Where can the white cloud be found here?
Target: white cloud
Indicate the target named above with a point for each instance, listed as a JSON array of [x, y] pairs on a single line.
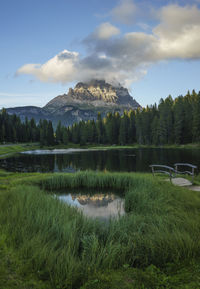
[[126, 57], [106, 30], [125, 12], [179, 32], [61, 68]]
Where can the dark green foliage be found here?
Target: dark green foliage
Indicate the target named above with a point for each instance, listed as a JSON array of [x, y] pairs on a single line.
[[59, 133], [12, 129], [50, 134], [62, 246], [165, 109], [173, 276], [13, 271], [173, 121], [179, 120], [46, 133], [196, 118]]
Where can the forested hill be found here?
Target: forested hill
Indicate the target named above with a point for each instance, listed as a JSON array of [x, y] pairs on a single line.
[[172, 121]]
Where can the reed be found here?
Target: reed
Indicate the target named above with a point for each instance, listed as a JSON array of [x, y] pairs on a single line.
[[162, 225], [89, 179]]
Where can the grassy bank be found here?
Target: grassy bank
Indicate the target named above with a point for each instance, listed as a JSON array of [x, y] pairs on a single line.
[[155, 245], [9, 149], [136, 146]]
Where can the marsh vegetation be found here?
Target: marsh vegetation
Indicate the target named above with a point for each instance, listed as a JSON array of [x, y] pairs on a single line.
[[62, 246]]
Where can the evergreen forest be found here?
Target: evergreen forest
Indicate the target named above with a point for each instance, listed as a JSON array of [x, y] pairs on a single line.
[[171, 122], [13, 130]]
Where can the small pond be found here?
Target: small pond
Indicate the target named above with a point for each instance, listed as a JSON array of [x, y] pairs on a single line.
[[99, 205], [121, 160]]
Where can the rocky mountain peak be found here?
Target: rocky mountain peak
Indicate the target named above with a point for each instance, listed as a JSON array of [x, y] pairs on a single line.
[[83, 102], [96, 93]]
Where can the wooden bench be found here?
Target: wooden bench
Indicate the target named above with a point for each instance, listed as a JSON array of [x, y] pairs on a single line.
[[172, 172]]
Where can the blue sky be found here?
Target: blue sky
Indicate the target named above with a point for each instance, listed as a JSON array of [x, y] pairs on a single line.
[[151, 47]]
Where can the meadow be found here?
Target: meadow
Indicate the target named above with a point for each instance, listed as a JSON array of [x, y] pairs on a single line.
[[49, 244]]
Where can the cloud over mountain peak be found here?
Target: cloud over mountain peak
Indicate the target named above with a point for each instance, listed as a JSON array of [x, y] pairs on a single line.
[[124, 58]]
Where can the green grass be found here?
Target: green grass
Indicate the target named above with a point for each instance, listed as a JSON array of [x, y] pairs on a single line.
[[174, 276], [57, 244], [13, 273], [7, 150], [136, 146]]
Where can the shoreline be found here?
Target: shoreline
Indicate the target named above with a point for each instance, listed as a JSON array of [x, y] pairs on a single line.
[[7, 150]]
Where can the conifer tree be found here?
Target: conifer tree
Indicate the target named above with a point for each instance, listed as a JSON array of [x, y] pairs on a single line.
[[196, 120], [59, 133], [50, 134]]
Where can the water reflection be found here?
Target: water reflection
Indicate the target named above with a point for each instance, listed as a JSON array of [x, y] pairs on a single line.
[[103, 206], [129, 160]]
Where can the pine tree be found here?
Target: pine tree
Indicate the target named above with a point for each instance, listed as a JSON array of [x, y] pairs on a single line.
[[50, 134], [65, 136], [188, 118], [123, 129], [132, 128], [100, 129], [166, 120], [155, 132], [178, 120], [59, 133], [196, 120]]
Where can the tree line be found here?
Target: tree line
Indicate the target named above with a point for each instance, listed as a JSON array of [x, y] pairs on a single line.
[[12, 129], [171, 122]]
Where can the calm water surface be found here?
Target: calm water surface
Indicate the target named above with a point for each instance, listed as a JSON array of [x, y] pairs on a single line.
[[121, 160], [95, 205]]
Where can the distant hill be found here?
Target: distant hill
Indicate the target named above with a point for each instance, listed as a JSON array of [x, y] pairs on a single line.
[[81, 103]]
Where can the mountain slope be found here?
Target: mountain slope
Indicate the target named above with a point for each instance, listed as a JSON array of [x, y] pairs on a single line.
[[81, 103], [95, 93]]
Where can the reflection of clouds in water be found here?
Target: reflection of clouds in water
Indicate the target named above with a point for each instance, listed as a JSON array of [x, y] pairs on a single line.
[[58, 151], [112, 209], [68, 199], [114, 206]]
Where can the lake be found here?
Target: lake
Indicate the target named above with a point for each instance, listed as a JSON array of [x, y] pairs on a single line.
[[118, 160]]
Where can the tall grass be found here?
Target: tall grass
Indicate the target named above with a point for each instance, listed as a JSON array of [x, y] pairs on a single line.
[[89, 179], [162, 225]]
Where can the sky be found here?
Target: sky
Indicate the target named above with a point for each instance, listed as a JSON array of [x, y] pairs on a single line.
[[47, 46]]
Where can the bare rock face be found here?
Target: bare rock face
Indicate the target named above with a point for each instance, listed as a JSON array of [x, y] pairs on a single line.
[[81, 103], [95, 93]]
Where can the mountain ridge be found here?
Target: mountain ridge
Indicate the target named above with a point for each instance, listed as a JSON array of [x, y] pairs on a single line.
[[81, 103]]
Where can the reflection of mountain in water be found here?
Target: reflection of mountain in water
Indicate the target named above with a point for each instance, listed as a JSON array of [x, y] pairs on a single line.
[[103, 206], [97, 200]]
